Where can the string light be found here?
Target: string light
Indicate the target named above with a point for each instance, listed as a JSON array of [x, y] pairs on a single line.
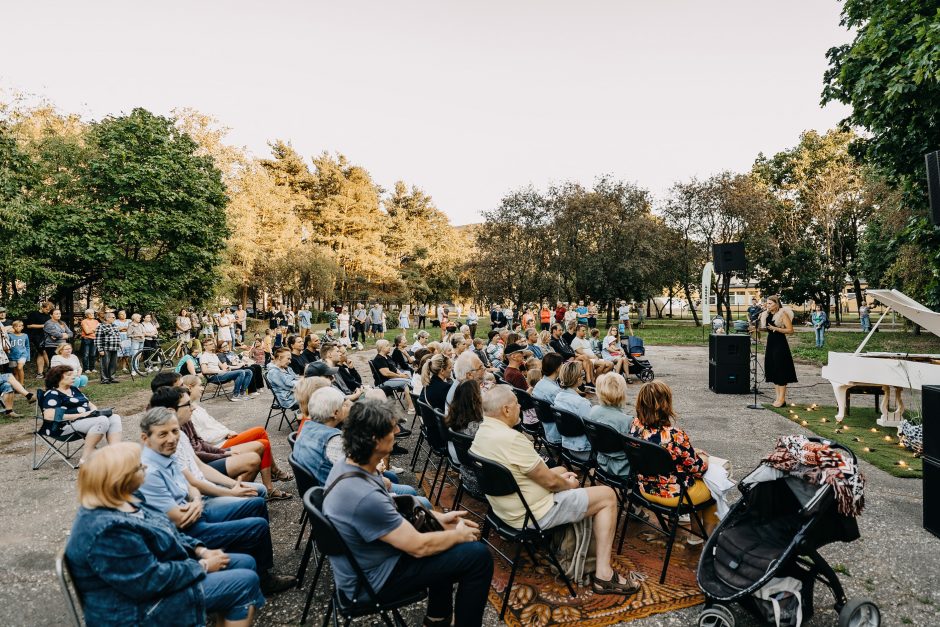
[[887, 438], [902, 463], [804, 423], [874, 430]]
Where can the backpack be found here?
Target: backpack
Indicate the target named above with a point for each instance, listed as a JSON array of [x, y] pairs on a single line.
[[575, 548], [780, 602]]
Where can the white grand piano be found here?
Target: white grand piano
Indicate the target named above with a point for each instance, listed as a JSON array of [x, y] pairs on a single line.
[[897, 371]]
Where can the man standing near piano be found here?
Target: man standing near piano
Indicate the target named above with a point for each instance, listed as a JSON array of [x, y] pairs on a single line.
[[778, 361]]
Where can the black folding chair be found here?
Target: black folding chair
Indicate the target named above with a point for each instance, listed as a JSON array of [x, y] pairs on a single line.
[[73, 600], [305, 482], [526, 402], [292, 440], [543, 410], [650, 459], [497, 480], [367, 603], [219, 388], [462, 443], [571, 426], [397, 393], [49, 434], [605, 440], [435, 433]]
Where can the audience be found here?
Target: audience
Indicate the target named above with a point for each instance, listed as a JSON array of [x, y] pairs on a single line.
[[70, 411], [547, 390], [612, 397], [553, 495], [514, 356], [282, 379], [218, 372], [302, 392], [464, 415], [298, 361], [389, 378], [435, 382], [570, 377], [64, 356], [467, 367]]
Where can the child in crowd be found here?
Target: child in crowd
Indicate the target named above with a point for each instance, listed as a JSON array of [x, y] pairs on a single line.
[[268, 344], [596, 342], [258, 352], [19, 350]]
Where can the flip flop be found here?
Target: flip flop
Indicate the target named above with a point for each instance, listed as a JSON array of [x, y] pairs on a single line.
[[283, 476]]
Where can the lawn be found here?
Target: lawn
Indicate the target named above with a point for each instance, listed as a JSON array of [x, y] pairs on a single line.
[[877, 445]]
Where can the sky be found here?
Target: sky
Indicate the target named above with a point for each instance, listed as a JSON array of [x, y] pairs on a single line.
[[468, 101]]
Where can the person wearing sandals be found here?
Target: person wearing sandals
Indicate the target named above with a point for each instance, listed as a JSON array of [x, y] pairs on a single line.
[[217, 434], [553, 494]]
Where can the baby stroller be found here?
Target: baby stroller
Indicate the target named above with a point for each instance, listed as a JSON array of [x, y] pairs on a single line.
[[775, 530], [640, 368]]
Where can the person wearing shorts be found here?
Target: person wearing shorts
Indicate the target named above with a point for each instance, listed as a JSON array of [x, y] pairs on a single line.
[[376, 318], [553, 495]]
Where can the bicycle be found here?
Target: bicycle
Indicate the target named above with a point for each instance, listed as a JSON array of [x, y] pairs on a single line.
[[148, 360]]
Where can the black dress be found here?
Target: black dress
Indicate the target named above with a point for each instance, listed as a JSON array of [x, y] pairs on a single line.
[[778, 361]]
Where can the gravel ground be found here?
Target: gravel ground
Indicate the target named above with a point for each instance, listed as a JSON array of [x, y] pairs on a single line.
[[895, 563]]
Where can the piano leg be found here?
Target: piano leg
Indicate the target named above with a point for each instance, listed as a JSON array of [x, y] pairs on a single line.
[[891, 418], [840, 391]]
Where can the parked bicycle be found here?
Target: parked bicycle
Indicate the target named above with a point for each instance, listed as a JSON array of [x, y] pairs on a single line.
[[148, 360]]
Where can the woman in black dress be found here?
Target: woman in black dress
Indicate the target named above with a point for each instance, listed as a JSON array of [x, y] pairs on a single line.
[[778, 362]]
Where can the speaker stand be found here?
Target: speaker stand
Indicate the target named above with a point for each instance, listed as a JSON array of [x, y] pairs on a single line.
[[755, 343]]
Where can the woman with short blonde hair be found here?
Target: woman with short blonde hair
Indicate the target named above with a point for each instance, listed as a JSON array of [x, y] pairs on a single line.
[[127, 562], [570, 375], [570, 378]]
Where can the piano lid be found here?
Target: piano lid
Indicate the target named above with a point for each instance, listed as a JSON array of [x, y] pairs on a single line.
[[909, 308]]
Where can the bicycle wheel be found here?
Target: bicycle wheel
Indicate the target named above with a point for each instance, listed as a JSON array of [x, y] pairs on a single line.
[[141, 362]]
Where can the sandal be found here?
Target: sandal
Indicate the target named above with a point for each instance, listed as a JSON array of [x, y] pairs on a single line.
[[614, 586], [282, 476], [279, 495]]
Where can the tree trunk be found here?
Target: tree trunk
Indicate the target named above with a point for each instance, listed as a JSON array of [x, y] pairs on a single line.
[[858, 292], [688, 297], [670, 301]]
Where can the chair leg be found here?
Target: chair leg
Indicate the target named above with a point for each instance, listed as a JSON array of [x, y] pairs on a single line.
[[303, 527], [414, 456], [512, 575], [270, 413], [302, 570], [440, 490], [387, 620], [424, 470], [457, 495], [437, 473], [329, 611], [554, 561], [674, 528]]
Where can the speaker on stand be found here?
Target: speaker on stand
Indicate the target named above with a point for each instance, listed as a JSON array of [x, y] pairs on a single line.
[[933, 185], [930, 415]]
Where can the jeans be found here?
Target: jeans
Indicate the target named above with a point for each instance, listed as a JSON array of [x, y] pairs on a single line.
[[136, 346], [469, 565], [241, 378], [88, 354], [108, 365], [866, 323], [820, 337], [399, 489], [236, 525], [233, 590]]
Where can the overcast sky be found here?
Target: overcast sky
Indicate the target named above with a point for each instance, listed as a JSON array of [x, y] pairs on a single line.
[[466, 100]]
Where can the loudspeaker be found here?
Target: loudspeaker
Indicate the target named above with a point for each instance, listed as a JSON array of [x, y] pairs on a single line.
[[729, 378], [726, 350], [930, 416], [933, 184], [931, 502], [729, 257]]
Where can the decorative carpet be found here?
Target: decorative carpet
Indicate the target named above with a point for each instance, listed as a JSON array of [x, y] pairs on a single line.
[[539, 597]]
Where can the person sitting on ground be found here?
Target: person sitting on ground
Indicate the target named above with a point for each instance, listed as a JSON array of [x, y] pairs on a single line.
[[421, 340], [282, 379], [127, 562], [65, 356], [217, 372], [217, 434], [570, 377], [9, 388], [396, 559], [389, 378], [553, 495], [70, 411], [653, 423], [612, 397], [514, 356], [435, 380], [236, 524]]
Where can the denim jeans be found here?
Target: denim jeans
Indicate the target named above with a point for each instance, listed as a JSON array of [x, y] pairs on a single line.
[[88, 354], [469, 565], [136, 346], [108, 365], [233, 590], [820, 337], [238, 525], [866, 323], [241, 378]]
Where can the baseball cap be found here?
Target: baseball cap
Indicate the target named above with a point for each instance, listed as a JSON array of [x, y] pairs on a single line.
[[319, 369]]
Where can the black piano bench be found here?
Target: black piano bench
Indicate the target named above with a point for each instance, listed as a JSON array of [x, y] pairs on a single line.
[[877, 390]]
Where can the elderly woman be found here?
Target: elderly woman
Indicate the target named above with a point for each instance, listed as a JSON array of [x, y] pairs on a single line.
[[302, 392], [65, 356], [122, 324], [218, 372], [218, 435], [570, 377], [55, 332], [135, 331], [612, 397], [66, 410], [132, 567], [320, 444]]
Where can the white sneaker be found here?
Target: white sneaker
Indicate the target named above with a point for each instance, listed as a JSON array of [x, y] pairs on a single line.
[[396, 469], [254, 394], [694, 541], [236, 399]]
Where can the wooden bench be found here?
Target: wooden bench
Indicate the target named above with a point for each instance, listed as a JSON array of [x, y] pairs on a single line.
[[876, 390]]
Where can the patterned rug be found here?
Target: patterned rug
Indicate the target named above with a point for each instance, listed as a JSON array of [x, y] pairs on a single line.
[[539, 598]]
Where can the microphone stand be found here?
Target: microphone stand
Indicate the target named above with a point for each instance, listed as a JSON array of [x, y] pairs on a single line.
[[756, 342]]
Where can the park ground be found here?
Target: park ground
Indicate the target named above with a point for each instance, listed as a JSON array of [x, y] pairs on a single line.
[[894, 563]]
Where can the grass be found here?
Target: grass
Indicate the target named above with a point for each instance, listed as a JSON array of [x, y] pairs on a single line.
[[127, 397], [877, 445]]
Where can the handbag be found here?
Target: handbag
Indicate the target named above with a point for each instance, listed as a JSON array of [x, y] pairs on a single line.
[[420, 517]]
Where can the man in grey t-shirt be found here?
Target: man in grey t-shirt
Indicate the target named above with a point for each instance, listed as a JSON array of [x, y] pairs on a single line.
[[376, 318]]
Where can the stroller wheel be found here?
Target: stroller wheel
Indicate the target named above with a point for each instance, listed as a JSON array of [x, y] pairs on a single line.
[[859, 613], [646, 375], [716, 616]]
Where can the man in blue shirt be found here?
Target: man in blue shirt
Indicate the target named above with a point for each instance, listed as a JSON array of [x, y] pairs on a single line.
[[547, 389], [582, 312], [237, 526]]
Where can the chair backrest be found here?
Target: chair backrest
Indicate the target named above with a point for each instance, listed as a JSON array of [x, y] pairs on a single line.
[[462, 443], [603, 438], [496, 480], [569, 425], [647, 458], [377, 378], [524, 398], [303, 477], [543, 410], [40, 393], [434, 421], [73, 599], [292, 439]]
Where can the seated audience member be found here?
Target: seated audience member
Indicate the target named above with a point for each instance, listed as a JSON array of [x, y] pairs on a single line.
[[421, 341], [532, 343], [189, 362], [389, 378], [514, 356], [592, 364], [235, 524], [553, 495], [65, 356], [70, 411], [282, 379], [653, 422], [9, 387], [494, 350], [217, 434], [559, 345], [532, 377], [464, 415], [351, 378], [417, 385], [544, 343], [398, 560], [400, 356], [570, 377], [466, 367], [435, 380], [320, 444], [327, 370], [298, 361], [479, 348], [217, 372], [227, 356], [302, 392], [568, 333], [612, 397], [311, 350], [595, 342], [547, 389], [127, 562], [612, 351]]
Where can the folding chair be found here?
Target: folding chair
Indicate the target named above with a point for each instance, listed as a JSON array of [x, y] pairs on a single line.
[[435, 433], [650, 459], [543, 410], [607, 440], [57, 444], [367, 603], [73, 600], [462, 443], [219, 388], [305, 482], [292, 439], [497, 480], [571, 426], [397, 393], [421, 434], [526, 403]]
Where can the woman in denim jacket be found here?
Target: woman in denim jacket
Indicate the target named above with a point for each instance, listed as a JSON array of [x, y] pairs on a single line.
[[132, 567]]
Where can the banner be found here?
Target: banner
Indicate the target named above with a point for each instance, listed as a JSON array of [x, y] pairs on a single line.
[[707, 293]]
